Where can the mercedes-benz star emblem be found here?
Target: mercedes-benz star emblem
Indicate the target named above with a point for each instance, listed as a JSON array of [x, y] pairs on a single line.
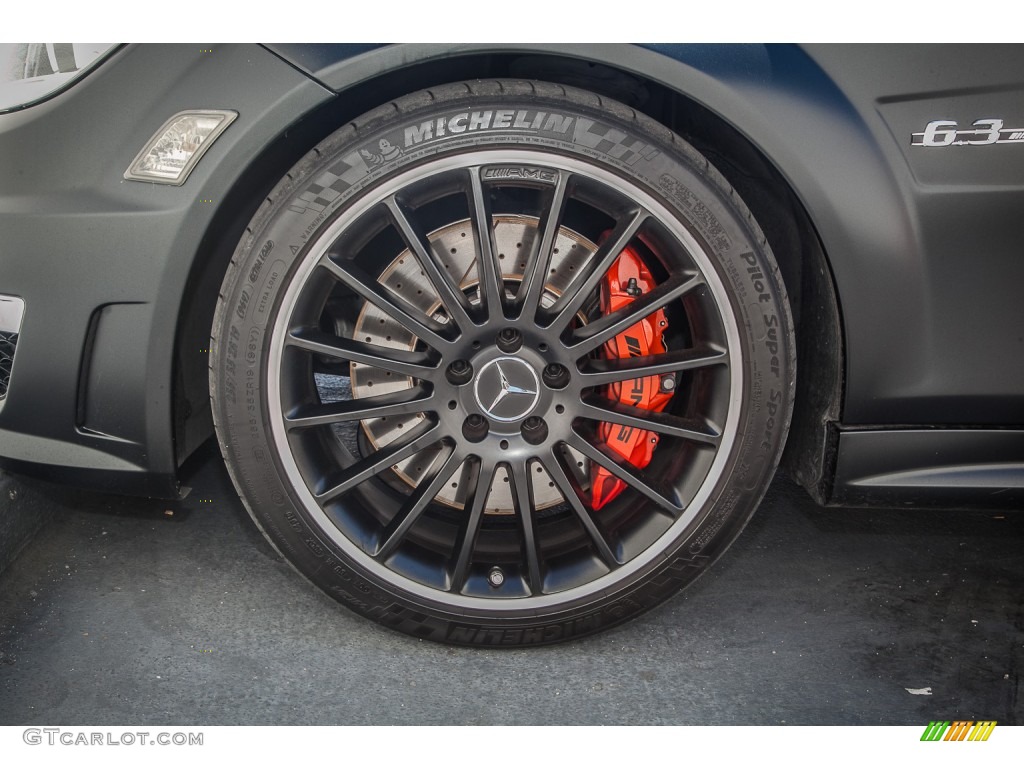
[[507, 389]]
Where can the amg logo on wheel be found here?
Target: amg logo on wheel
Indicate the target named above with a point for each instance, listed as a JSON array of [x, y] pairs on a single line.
[[960, 730], [521, 172]]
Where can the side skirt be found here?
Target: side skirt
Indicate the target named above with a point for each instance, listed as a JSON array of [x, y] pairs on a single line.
[[949, 468]]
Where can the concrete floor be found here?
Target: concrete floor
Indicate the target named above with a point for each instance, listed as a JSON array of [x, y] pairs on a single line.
[[119, 613]]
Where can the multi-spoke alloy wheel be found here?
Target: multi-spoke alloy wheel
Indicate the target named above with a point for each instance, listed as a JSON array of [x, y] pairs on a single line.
[[503, 366]]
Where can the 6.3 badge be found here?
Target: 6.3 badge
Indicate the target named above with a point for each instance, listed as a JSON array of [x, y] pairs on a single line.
[[946, 133]]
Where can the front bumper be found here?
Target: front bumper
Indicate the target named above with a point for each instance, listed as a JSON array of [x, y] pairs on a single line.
[[103, 264]]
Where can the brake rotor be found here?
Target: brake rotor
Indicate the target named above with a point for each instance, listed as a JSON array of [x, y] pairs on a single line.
[[514, 239]]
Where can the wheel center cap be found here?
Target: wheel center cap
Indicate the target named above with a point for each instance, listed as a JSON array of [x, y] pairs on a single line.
[[506, 389]]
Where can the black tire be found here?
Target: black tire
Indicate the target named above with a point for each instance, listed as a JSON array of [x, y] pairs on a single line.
[[392, 517]]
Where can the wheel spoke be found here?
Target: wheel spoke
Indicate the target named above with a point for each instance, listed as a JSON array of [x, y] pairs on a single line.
[[589, 337], [465, 543], [452, 297], [417, 501], [626, 472], [401, 361], [568, 304], [601, 372], [492, 284], [395, 307], [522, 501], [534, 277], [412, 442], [571, 491], [654, 421], [391, 404]]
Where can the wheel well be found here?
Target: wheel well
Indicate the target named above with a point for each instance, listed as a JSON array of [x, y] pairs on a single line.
[[790, 233]]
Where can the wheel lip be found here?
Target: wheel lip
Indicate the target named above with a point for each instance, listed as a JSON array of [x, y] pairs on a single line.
[[481, 157]]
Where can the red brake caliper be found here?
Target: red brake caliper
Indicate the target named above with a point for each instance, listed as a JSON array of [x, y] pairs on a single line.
[[627, 279]]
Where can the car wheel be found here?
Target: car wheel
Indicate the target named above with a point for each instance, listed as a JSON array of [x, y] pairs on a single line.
[[502, 363]]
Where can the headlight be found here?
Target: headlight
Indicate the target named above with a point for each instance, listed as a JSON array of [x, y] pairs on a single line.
[[31, 72]]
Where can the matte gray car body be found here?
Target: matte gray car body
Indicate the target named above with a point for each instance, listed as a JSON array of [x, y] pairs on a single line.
[[917, 269]]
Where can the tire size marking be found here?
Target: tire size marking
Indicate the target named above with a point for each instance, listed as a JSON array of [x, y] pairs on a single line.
[[252, 404]]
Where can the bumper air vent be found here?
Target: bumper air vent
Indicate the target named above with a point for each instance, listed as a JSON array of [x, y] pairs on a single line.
[[12, 309]]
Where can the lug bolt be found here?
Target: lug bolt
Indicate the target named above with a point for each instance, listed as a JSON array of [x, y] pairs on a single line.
[[509, 340], [496, 578], [474, 428], [668, 383], [459, 372], [534, 430], [556, 376]]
